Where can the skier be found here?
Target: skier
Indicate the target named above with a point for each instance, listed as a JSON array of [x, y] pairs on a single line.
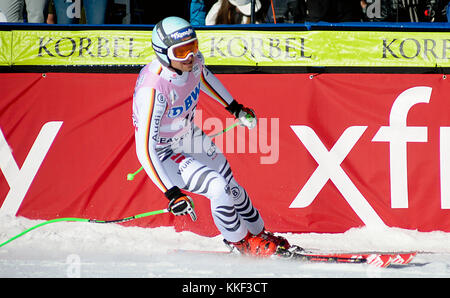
[[179, 156]]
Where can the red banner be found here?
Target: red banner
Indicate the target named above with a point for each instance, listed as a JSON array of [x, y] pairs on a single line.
[[330, 152]]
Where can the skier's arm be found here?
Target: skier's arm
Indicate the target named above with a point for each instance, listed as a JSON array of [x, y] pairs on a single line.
[[211, 85], [215, 89], [151, 111]]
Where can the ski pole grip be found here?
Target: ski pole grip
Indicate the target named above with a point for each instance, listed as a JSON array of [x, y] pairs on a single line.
[[192, 214]]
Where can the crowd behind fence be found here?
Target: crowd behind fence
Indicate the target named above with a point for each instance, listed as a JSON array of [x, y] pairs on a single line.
[[212, 12]]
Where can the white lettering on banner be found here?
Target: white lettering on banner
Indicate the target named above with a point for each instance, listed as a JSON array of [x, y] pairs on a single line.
[[444, 150], [20, 180], [398, 134], [329, 168]]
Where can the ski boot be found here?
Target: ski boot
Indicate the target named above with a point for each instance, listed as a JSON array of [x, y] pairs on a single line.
[[265, 244], [279, 241]]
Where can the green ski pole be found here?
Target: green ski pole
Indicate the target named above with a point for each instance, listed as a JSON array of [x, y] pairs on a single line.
[[71, 219]]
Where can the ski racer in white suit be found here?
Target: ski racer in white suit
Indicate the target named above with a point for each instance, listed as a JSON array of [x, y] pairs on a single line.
[[176, 154]]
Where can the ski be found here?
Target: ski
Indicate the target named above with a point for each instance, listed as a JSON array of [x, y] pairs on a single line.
[[399, 258], [403, 258], [297, 253], [377, 259]]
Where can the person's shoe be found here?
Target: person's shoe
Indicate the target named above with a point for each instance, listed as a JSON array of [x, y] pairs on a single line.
[[279, 241], [264, 244]]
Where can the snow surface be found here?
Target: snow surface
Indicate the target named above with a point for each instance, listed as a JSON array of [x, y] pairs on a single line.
[[78, 249]]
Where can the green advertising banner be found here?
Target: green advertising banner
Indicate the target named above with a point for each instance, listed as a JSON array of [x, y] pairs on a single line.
[[327, 48], [81, 47], [5, 48], [233, 47]]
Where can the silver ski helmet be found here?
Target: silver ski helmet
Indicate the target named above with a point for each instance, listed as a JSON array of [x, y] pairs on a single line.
[[174, 38]]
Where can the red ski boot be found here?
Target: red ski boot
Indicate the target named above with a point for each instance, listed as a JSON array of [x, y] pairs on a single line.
[[264, 244], [279, 241]]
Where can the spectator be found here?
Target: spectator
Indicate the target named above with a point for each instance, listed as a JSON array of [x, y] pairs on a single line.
[[286, 11], [69, 11], [51, 16], [2, 17], [198, 10], [403, 10], [13, 10], [233, 12], [397, 10], [447, 11], [334, 11], [436, 11]]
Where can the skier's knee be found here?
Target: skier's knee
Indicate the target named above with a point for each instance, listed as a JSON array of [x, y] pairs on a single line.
[[201, 179]]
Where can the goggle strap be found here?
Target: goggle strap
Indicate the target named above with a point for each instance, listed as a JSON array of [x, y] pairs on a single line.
[[163, 35], [159, 49]]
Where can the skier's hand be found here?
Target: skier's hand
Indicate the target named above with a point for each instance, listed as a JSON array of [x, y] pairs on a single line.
[[247, 117], [180, 206], [180, 203]]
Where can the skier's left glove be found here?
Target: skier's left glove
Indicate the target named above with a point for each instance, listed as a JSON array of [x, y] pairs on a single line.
[[245, 115], [180, 204]]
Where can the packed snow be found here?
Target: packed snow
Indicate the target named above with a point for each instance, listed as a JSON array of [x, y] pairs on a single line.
[[79, 249]]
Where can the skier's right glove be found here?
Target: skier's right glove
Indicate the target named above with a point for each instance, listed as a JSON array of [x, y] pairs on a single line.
[[180, 204]]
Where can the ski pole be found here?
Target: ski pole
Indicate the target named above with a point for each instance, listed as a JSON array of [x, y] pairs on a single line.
[[130, 176], [226, 129], [70, 219]]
